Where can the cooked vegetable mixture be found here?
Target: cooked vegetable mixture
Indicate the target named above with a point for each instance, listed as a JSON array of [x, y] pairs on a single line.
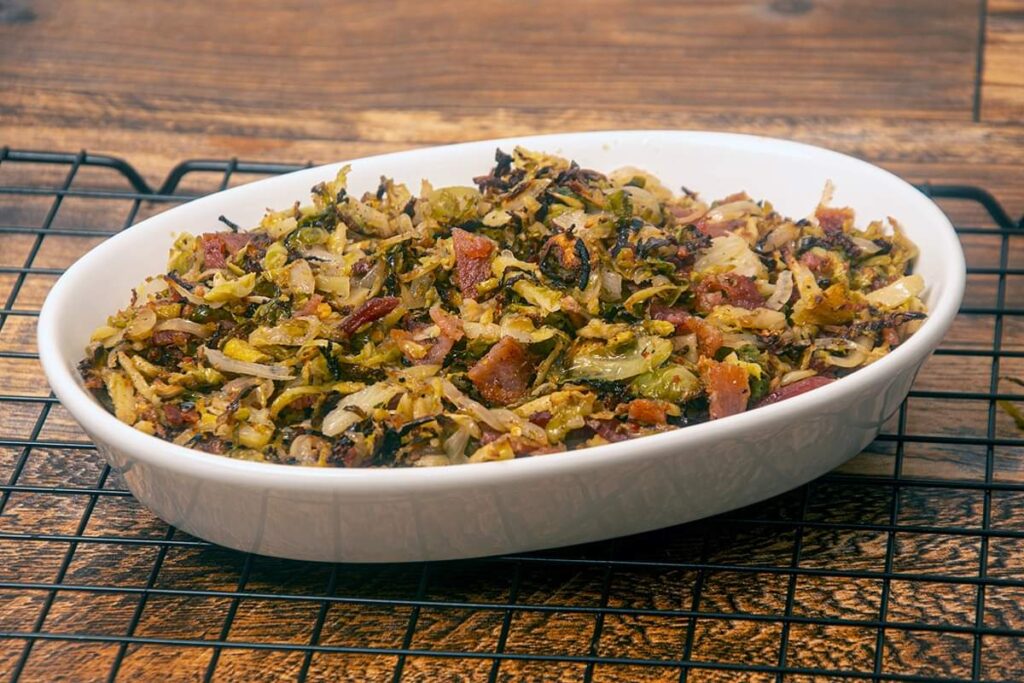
[[549, 307]]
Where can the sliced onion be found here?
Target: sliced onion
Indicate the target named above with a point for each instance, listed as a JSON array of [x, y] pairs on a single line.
[[475, 409], [779, 237], [236, 386], [856, 353], [318, 253], [300, 277], [689, 215], [182, 325], [498, 419], [309, 449], [141, 325], [796, 376], [512, 423], [225, 364], [897, 293], [433, 459], [190, 297], [783, 291], [455, 445], [137, 380], [281, 335], [866, 247], [369, 281], [737, 340], [732, 211], [363, 401], [611, 285]]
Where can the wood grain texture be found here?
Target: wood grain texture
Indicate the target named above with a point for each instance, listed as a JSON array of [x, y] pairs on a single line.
[[909, 58], [893, 83], [1002, 94]]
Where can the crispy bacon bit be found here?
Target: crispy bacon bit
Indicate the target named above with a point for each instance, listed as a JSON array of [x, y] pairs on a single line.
[[374, 309], [719, 228], [217, 245], [309, 308], [451, 333], [213, 251], [472, 260], [234, 241], [179, 418], [890, 337], [607, 430], [361, 267], [438, 351], [211, 444], [795, 389], [709, 337], [817, 263], [450, 325], [488, 435], [541, 418], [687, 215], [727, 288], [169, 338], [646, 411], [727, 385], [303, 402], [503, 375], [524, 447], [832, 220]]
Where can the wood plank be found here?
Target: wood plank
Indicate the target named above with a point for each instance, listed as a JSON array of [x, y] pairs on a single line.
[[939, 151], [912, 59], [1002, 95]]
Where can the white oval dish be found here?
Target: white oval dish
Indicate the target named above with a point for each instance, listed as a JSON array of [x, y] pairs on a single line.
[[378, 515]]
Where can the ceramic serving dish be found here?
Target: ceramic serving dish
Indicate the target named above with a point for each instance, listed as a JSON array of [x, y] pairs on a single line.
[[369, 515]]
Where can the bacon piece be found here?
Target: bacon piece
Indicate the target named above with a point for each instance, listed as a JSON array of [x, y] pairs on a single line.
[[472, 260], [541, 418], [832, 220], [169, 338], [438, 351], [217, 245], [890, 336], [817, 263], [709, 337], [525, 447], [374, 309], [727, 385], [451, 333], [309, 308], [717, 229], [503, 375], [177, 417], [795, 389], [646, 411], [234, 241], [687, 215], [607, 430], [727, 288], [450, 325], [213, 251]]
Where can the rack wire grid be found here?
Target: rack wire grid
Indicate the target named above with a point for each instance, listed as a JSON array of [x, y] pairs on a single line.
[[906, 565]]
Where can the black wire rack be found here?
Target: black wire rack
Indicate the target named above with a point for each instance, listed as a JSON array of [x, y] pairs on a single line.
[[905, 565]]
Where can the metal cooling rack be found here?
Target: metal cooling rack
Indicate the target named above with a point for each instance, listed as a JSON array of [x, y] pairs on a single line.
[[905, 565]]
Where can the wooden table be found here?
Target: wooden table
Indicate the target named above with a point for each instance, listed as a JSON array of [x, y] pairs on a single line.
[[802, 584]]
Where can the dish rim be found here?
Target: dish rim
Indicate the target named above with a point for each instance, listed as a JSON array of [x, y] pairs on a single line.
[[106, 429]]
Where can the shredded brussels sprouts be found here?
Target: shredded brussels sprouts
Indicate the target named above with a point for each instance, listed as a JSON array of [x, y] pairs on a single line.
[[549, 307]]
